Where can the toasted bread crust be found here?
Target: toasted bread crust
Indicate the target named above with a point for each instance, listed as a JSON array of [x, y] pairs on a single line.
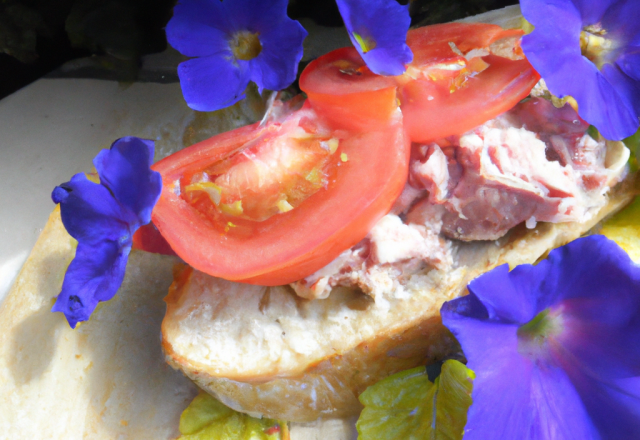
[[342, 359]]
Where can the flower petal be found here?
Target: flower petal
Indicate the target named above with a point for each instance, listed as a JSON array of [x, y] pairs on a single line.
[[199, 28], [503, 295], [626, 86], [591, 11], [628, 92], [588, 266], [554, 51], [599, 103], [513, 397], [257, 15], [388, 61], [90, 213], [600, 331], [381, 25], [613, 405], [544, 14], [518, 400], [599, 344], [582, 380], [621, 21], [103, 218], [213, 82], [629, 62], [125, 170], [277, 65], [94, 275]]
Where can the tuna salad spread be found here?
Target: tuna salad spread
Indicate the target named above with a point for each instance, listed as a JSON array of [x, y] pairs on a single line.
[[534, 163]]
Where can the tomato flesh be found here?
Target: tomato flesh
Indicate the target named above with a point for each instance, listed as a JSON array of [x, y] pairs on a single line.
[[442, 93], [460, 100], [432, 111], [343, 90], [272, 175], [430, 44], [364, 176]]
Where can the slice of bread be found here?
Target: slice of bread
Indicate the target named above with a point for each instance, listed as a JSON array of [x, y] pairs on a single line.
[[266, 351], [105, 380], [108, 378]]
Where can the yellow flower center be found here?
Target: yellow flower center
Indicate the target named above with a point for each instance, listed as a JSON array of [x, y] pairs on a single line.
[[535, 334], [595, 46], [365, 43], [245, 45]]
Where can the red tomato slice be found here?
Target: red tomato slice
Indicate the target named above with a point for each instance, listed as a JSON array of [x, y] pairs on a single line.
[[364, 176], [439, 108], [343, 90], [431, 43], [432, 111], [434, 105]]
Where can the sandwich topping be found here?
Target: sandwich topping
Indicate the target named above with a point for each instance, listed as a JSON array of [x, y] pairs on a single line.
[[533, 163], [275, 201]]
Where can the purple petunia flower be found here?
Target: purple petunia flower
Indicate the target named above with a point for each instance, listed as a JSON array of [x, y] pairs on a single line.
[[554, 346], [103, 218], [233, 42], [589, 50], [378, 30]]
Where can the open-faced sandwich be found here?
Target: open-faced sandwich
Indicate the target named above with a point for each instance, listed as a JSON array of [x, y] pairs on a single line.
[[319, 245]]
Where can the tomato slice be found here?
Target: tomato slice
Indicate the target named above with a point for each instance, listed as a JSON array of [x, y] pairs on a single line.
[[363, 175], [342, 89], [440, 102], [442, 93], [430, 44]]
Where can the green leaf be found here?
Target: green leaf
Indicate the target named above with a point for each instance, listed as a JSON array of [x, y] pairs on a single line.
[[207, 419], [452, 399], [407, 406], [633, 143], [624, 229]]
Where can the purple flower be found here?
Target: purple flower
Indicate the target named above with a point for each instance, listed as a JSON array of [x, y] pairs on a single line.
[[589, 50], [233, 42], [554, 346], [378, 30], [103, 218]]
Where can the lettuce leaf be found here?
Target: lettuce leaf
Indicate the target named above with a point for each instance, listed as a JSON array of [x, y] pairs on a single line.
[[407, 406], [633, 143], [207, 419], [624, 229]]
